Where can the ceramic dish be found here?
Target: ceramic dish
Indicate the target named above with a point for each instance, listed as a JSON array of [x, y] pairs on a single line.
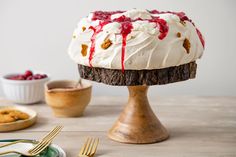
[[23, 91], [21, 124], [52, 151]]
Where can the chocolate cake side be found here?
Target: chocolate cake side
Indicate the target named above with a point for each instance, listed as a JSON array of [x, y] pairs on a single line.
[[139, 77]]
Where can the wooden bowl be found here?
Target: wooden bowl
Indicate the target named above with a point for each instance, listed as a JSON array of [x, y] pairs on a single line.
[[65, 99], [21, 124]]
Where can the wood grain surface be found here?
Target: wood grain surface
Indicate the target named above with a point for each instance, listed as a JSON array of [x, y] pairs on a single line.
[[198, 127]]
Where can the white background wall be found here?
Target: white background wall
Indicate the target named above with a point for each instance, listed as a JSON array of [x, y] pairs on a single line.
[[35, 34]]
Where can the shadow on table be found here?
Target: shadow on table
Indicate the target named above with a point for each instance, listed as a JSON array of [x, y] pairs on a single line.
[[41, 122], [97, 111], [102, 151], [99, 152], [185, 132]]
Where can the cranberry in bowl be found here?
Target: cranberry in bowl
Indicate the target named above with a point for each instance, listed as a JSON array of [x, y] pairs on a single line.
[[24, 88]]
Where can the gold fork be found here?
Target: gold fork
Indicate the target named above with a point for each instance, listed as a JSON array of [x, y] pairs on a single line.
[[45, 142], [38, 148], [89, 148]]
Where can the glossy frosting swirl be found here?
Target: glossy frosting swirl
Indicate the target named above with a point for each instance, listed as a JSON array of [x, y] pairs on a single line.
[[138, 39]]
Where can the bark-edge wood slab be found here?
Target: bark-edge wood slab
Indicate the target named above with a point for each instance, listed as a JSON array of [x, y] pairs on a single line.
[[139, 77]]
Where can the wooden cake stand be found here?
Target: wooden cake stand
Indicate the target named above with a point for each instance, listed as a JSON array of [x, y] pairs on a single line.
[[137, 123]]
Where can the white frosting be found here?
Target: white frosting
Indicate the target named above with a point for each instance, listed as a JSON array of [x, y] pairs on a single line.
[[144, 50]]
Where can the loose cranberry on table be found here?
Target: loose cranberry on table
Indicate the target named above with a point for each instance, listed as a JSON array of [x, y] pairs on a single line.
[[28, 75]]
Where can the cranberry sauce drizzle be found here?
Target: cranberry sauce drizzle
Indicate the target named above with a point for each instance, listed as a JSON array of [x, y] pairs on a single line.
[[96, 30], [182, 17], [126, 27], [162, 25], [104, 15], [201, 37]]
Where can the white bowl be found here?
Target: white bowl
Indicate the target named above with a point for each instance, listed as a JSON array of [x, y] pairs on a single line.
[[23, 91]]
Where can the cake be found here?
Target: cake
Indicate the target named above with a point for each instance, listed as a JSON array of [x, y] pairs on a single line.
[[136, 47]]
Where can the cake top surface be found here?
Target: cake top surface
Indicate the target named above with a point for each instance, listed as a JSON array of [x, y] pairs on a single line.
[[136, 40]]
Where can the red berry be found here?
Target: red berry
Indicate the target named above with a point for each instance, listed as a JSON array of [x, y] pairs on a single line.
[[37, 76], [12, 78], [30, 78], [28, 73], [20, 77], [44, 76]]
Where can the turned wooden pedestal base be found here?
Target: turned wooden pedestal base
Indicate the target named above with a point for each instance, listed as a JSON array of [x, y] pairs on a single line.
[[137, 123]]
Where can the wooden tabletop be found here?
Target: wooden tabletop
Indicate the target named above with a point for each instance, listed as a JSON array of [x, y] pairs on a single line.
[[198, 126]]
